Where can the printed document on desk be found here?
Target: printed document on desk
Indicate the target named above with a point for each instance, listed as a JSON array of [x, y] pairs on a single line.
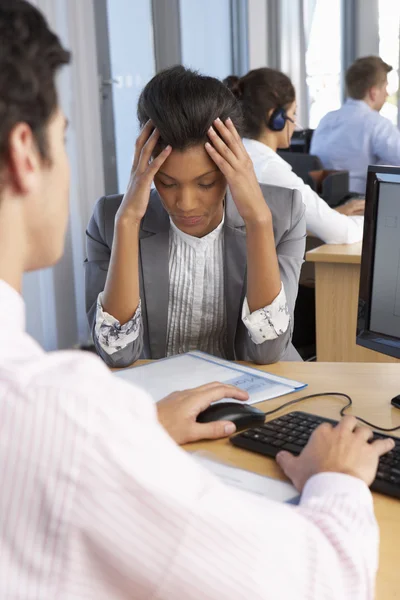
[[192, 369], [273, 489]]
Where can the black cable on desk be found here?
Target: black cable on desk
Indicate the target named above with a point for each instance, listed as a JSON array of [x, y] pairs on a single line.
[[342, 410]]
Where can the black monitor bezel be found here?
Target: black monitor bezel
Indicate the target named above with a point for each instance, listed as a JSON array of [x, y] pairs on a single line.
[[365, 337]]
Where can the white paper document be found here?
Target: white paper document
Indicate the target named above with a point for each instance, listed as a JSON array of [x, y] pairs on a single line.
[[273, 489], [190, 370]]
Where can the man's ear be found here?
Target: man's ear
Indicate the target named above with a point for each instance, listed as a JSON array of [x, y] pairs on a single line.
[[23, 160], [372, 92]]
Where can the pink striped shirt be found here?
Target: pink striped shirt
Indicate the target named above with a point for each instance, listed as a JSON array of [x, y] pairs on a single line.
[[97, 502]]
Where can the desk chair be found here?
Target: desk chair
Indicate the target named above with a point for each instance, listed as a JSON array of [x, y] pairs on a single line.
[[301, 141], [332, 186], [301, 164]]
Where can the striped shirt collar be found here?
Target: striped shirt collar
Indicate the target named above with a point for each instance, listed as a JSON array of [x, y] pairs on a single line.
[[12, 308]]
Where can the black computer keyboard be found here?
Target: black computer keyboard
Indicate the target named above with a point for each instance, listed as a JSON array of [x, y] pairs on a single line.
[[291, 432]]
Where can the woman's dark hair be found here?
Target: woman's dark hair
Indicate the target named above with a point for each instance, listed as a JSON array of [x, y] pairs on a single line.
[[30, 55], [259, 92], [182, 104]]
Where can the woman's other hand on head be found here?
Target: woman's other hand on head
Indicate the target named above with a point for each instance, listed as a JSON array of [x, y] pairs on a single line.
[[229, 154], [137, 195]]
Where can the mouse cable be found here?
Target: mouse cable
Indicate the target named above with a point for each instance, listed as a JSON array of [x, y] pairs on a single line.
[[342, 410]]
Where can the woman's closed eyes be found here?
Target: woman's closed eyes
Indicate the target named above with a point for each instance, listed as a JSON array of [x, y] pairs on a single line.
[[207, 186], [203, 186]]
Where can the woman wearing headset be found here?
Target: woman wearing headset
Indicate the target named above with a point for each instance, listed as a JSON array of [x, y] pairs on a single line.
[[268, 102], [207, 260]]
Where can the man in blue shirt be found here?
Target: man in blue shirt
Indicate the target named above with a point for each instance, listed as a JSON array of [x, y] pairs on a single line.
[[356, 135]]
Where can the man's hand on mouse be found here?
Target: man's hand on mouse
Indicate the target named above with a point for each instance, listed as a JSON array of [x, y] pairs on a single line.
[[178, 412], [341, 449]]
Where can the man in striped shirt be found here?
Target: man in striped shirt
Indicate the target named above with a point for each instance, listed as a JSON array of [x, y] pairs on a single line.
[[96, 498]]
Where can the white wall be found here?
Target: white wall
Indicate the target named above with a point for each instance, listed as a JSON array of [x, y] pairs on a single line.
[[367, 34], [258, 33], [206, 36], [132, 66], [55, 297]]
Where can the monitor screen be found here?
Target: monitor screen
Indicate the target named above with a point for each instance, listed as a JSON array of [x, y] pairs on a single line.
[[379, 300], [385, 297]]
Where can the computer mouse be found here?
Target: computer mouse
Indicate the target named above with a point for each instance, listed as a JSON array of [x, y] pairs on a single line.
[[243, 415]]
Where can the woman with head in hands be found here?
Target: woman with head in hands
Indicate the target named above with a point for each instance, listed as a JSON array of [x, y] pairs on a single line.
[[207, 260]]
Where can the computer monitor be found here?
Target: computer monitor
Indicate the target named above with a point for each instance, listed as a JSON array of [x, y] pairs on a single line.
[[378, 325]]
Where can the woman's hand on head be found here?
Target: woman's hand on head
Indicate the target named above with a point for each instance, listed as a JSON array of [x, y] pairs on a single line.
[[230, 156], [137, 195]]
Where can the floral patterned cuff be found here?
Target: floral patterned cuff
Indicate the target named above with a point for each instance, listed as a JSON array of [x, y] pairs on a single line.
[[267, 323], [111, 335]]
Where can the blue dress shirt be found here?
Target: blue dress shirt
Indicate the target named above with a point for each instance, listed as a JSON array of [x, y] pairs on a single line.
[[354, 137]]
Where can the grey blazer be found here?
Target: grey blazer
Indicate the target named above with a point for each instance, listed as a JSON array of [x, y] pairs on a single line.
[[290, 231]]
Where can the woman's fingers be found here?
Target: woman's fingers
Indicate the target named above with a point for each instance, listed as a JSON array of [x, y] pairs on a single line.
[[221, 147], [147, 151], [144, 148], [229, 124], [155, 164], [230, 136], [226, 148], [140, 142], [221, 163]]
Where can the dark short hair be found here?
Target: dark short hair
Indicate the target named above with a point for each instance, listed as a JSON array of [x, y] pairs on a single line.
[[30, 55], [364, 74], [182, 104], [259, 92]]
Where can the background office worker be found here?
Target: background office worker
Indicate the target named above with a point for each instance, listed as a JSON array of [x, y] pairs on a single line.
[[96, 499], [268, 102], [356, 135], [205, 261]]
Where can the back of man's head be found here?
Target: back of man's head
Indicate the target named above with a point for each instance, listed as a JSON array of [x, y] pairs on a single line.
[[34, 174], [364, 74], [30, 55]]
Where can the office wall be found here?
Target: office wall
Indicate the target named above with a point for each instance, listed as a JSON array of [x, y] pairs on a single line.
[[206, 42], [131, 43], [258, 34], [366, 26], [55, 297]]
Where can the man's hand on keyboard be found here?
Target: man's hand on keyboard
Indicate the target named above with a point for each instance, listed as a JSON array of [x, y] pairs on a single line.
[[340, 449], [178, 412]]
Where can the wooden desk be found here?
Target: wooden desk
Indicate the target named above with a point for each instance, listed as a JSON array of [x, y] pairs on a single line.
[[337, 277], [371, 387]]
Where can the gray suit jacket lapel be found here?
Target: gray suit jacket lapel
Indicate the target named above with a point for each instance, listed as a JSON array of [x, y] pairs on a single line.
[[235, 259], [154, 254]]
